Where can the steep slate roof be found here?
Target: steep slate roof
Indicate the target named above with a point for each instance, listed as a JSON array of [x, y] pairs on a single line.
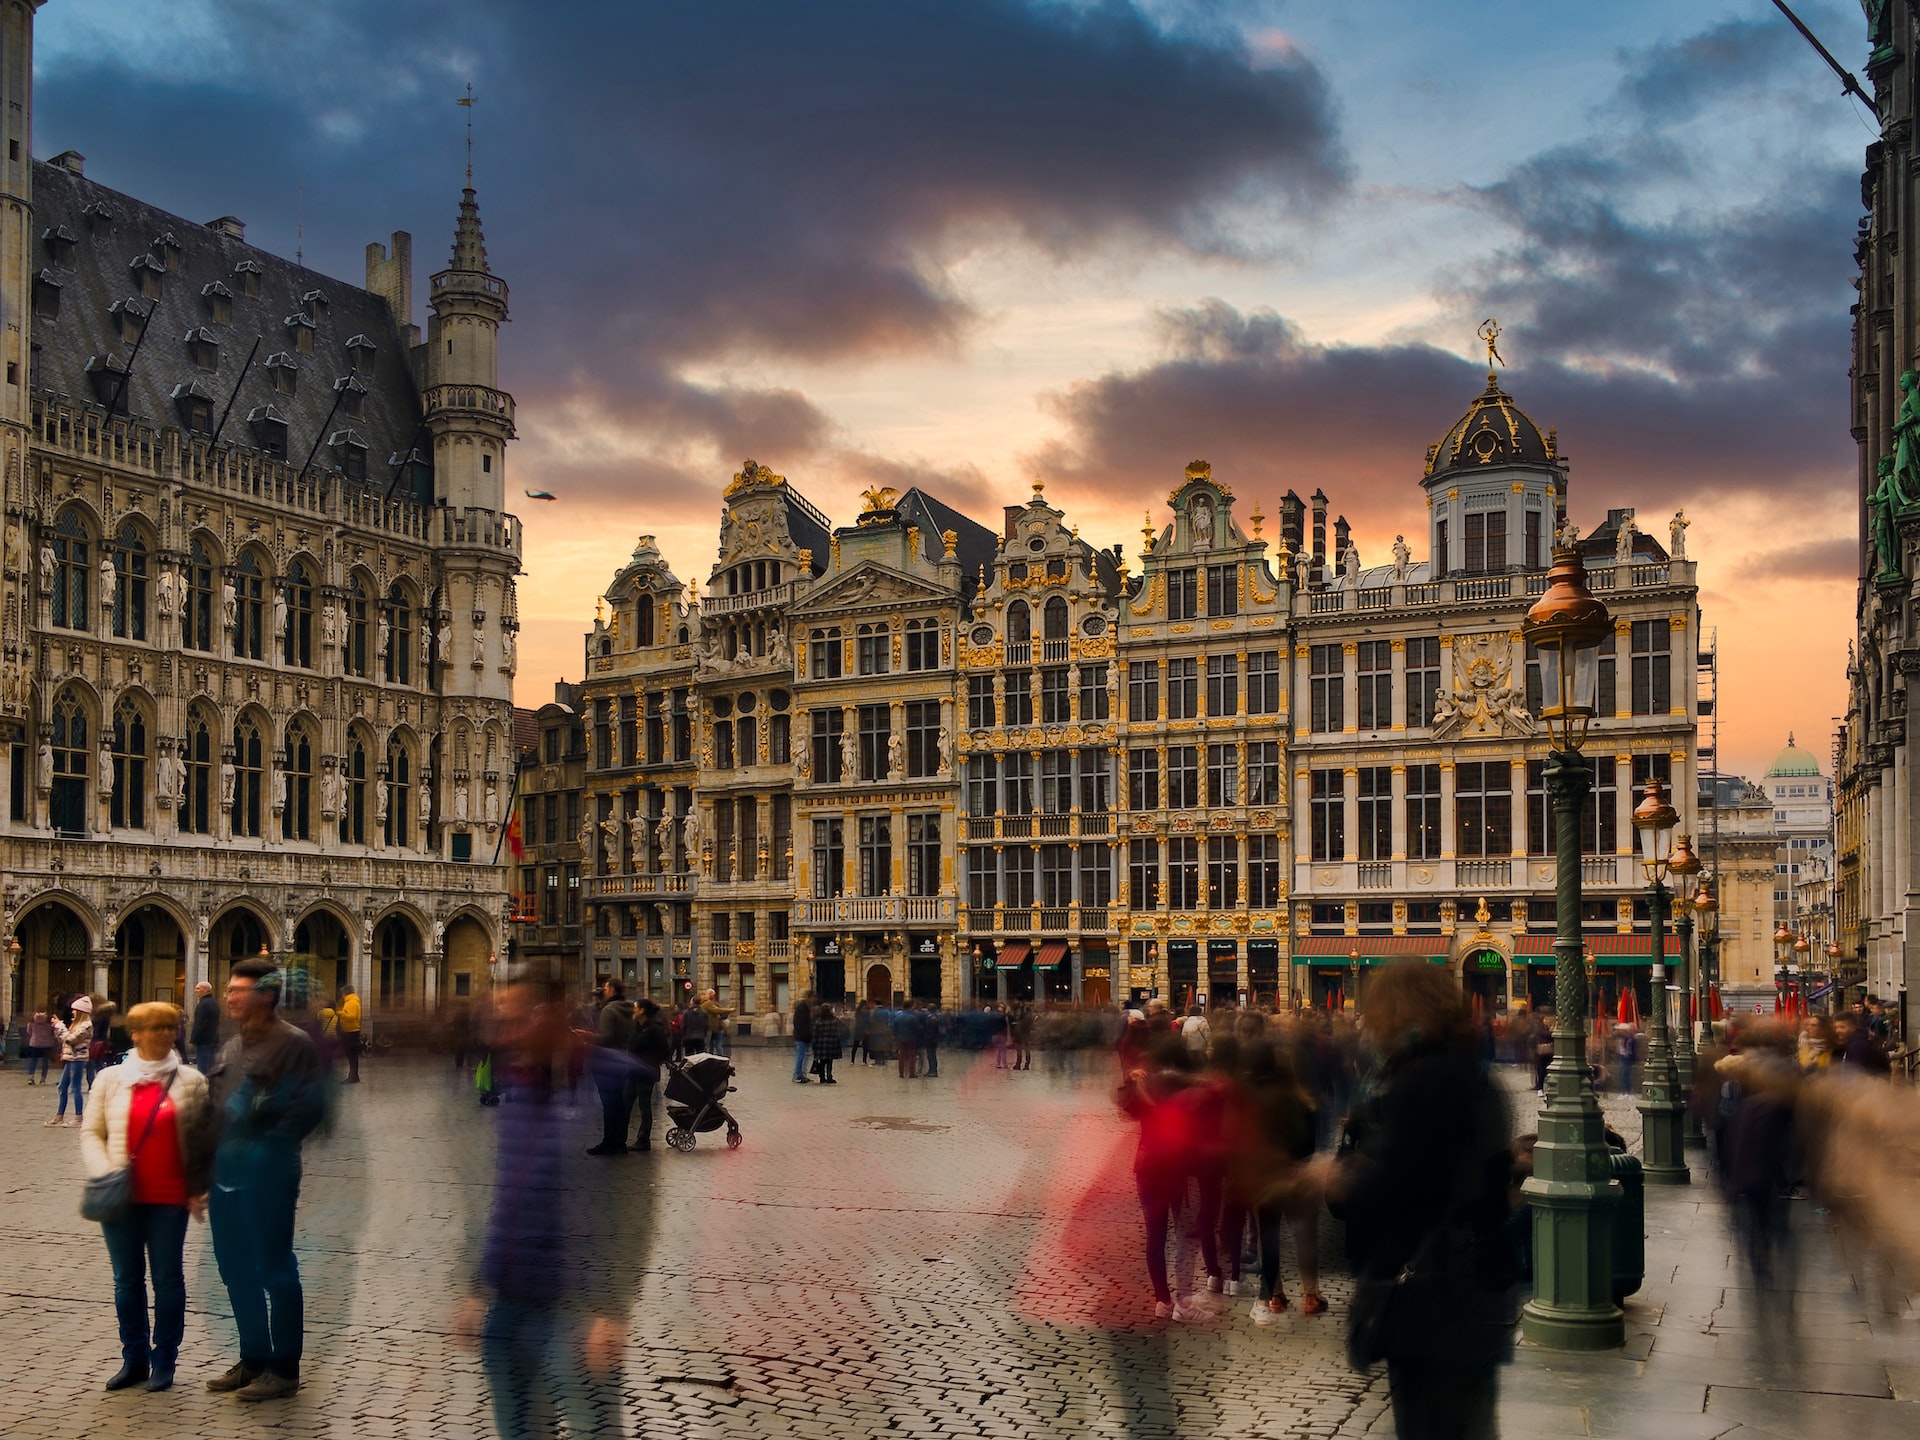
[[112, 232], [977, 543]]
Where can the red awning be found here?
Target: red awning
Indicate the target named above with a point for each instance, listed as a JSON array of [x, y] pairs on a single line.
[[1012, 955], [1053, 954]]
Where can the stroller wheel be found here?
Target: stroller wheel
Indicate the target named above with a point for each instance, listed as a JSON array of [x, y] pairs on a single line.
[[734, 1139], [681, 1140]]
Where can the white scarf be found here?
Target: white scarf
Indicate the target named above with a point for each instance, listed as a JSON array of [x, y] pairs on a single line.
[[139, 1071]]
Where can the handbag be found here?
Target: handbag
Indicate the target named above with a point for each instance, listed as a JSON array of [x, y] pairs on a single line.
[[107, 1197], [1388, 1310]]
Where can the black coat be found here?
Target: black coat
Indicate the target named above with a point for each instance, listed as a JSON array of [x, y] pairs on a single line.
[[826, 1035], [803, 1023], [206, 1022]]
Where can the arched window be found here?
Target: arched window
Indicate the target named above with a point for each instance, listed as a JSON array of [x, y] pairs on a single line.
[[354, 659], [296, 766], [68, 541], [723, 744], [747, 734], [1053, 619], [297, 594], [245, 940], [398, 633], [353, 806], [196, 628], [196, 802], [129, 600], [392, 942], [1019, 623], [127, 810], [399, 793], [249, 766], [249, 609], [67, 802]]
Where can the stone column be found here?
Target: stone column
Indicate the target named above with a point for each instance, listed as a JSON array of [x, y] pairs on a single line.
[[1448, 833], [1522, 809], [1399, 785]]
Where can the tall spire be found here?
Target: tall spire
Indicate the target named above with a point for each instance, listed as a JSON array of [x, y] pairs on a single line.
[[469, 245]]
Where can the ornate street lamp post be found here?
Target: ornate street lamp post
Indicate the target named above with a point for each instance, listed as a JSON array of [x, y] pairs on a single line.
[[1572, 1191], [1663, 1152], [1782, 940], [1353, 966], [1684, 865]]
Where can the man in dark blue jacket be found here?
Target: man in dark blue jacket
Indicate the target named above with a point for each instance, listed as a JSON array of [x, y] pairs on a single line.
[[268, 1094]]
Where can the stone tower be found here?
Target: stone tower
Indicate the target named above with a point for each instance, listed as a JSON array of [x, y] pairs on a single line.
[[470, 421], [16, 293]]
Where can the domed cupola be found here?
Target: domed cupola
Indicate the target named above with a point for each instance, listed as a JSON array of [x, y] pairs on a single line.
[[1494, 431]]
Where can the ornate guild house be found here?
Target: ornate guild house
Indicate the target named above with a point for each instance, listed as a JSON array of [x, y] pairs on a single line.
[[258, 611]]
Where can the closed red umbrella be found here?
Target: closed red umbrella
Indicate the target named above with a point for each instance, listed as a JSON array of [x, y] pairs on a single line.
[[1628, 1013]]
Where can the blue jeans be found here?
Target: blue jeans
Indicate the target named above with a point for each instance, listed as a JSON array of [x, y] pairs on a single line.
[[802, 1056], [149, 1237], [73, 1077], [536, 1378], [253, 1246], [37, 1064], [204, 1056]]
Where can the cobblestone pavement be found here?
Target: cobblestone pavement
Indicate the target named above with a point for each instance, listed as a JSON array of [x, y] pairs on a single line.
[[958, 1256]]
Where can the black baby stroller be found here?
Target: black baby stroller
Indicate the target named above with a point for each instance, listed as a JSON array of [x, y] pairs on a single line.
[[697, 1088]]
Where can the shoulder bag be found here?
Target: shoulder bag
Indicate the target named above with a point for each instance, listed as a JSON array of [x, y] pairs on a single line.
[[107, 1197]]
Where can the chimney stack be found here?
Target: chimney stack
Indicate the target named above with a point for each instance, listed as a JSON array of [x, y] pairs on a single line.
[[1319, 529], [391, 278]]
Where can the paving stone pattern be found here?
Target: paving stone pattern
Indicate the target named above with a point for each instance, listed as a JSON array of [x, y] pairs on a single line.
[[951, 1257]]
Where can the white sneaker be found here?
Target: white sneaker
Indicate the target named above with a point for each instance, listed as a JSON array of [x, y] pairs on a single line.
[[1263, 1314], [1184, 1314], [1213, 1284], [1162, 1310]]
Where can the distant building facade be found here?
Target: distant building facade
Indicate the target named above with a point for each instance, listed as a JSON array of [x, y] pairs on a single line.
[[548, 908]]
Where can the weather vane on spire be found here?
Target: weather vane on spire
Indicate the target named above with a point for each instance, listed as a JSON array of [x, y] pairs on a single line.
[[1490, 332], [467, 102]]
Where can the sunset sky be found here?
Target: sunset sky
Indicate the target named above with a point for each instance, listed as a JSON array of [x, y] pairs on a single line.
[[971, 244]]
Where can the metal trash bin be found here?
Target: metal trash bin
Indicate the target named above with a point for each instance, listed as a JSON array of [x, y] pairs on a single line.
[[1629, 1225]]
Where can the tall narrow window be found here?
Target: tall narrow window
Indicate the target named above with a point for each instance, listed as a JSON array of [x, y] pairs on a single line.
[[1423, 679], [829, 732], [1265, 774], [1094, 704], [1056, 782], [1374, 659], [67, 801], [1183, 872], [1019, 633], [353, 801], [1486, 541], [1652, 667], [1223, 686], [876, 728], [71, 552], [1328, 804], [825, 655], [1143, 779], [1423, 812], [873, 649], [196, 788], [1223, 590], [1143, 690], [829, 859], [923, 853], [1483, 809], [296, 766], [1143, 874], [1054, 702], [196, 629], [249, 609], [400, 800], [1263, 683], [876, 854], [1183, 777], [1327, 692], [980, 706], [1223, 775], [1534, 557], [129, 600], [983, 786], [1442, 556], [128, 807], [1017, 783], [1223, 872], [1376, 813], [396, 634], [249, 765], [1018, 693], [354, 653], [923, 644], [1263, 871], [923, 738], [297, 595], [1183, 594], [1183, 688]]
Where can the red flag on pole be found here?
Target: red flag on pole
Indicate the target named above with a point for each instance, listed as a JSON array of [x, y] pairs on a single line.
[[514, 843]]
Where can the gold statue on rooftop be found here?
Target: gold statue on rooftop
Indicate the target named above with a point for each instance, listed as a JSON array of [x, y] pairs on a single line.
[[1490, 332]]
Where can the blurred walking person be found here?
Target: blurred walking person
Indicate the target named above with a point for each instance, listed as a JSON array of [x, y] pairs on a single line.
[[613, 1068], [802, 1038], [269, 1093], [40, 1045], [1424, 1192], [1163, 1163], [826, 1041], [1760, 1160], [149, 1115], [348, 1015], [651, 1047], [1270, 1137], [204, 1035]]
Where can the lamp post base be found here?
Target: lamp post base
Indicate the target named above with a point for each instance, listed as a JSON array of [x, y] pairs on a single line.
[[1572, 1233], [1663, 1147]]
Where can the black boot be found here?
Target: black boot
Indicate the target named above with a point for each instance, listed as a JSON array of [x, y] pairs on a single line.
[[129, 1375]]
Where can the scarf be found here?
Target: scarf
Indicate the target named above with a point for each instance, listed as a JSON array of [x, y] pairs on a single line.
[[139, 1072]]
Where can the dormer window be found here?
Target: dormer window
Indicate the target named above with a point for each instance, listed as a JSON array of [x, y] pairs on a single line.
[[166, 250], [353, 396], [284, 371], [59, 243], [46, 296], [129, 319], [351, 452], [107, 374], [301, 329], [147, 273], [247, 276], [219, 301], [315, 304], [360, 353], [203, 349], [97, 216], [269, 431], [194, 401]]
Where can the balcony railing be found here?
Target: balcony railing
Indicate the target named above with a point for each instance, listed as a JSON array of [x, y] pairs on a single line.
[[1485, 587], [1019, 652], [1376, 875], [775, 595], [1599, 870], [1055, 652], [1468, 873], [1055, 826], [880, 910], [1027, 827]]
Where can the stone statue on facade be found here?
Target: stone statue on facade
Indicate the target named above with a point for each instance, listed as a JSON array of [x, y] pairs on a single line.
[[444, 652], [382, 634], [169, 591], [1350, 567], [1677, 533], [47, 564], [946, 748], [850, 755], [425, 807], [460, 800], [493, 804], [109, 582], [1443, 708], [166, 778], [227, 775], [637, 836], [1302, 570], [1906, 443], [896, 755], [663, 837], [1402, 559], [690, 833], [1880, 510], [1623, 542], [106, 770], [330, 625], [803, 759], [46, 764], [380, 802], [1200, 516], [509, 649], [279, 614], [229, 604], [778, 651], [480, 644], [331, 785], [585, 839]]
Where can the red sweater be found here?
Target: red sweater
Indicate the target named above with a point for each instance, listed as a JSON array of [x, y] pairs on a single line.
[[159, 1177]]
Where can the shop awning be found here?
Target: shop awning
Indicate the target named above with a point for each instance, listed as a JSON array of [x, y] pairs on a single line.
[[1012, 955], [1608, 948], [1053, 954], [1332, 950]]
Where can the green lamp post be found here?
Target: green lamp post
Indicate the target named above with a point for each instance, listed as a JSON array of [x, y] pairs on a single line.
[[1663, 1152], [1572, 1191]]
